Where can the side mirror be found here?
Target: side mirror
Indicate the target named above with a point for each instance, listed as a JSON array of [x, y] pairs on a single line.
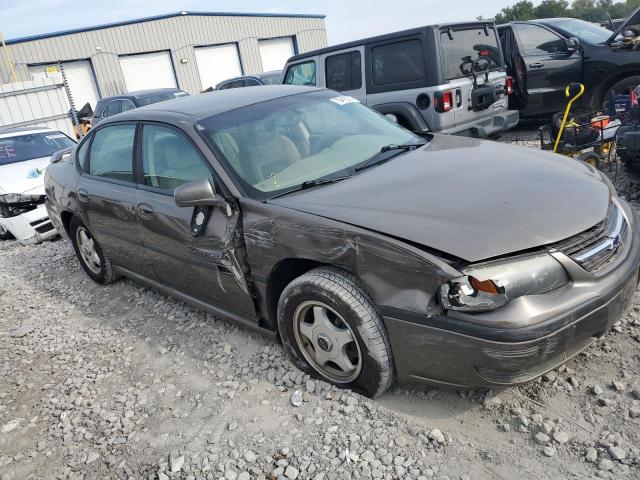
[[573, 44], [199, 193]]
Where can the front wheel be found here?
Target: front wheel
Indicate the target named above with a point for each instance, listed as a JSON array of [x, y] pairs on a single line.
[[91, 256], [332, 331], [621, 87]]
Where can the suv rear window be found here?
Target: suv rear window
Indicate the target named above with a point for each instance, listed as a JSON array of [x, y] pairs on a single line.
[[344, 71], [461, 47], [398, 62]]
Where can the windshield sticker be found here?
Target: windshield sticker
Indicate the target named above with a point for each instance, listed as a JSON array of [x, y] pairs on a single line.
[[344, 99], [7, 151]]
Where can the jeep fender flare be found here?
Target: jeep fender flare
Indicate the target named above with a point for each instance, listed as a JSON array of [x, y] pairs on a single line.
[[409, 112]]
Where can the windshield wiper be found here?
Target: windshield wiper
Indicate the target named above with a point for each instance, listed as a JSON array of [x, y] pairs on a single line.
[[371, 161], [309, 184]]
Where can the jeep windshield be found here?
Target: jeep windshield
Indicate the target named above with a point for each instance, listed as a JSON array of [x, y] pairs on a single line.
[[461, 47], [20, 148], [278, 145]]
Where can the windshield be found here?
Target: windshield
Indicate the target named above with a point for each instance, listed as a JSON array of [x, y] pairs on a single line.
[[32, 145], [277, 145], [585, 31], [460, 48]]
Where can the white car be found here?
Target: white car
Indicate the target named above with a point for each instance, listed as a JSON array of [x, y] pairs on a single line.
[[24, 156]]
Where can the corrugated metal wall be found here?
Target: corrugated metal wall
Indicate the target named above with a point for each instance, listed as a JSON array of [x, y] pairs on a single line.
[[40, 102], [179, 35]]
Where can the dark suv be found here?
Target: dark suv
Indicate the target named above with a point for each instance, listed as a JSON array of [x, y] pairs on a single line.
[[447, 78], [544, 56], [109, 106]]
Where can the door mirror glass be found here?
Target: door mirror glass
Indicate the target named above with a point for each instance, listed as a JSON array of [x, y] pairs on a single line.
[[197, 193], [573, 44]]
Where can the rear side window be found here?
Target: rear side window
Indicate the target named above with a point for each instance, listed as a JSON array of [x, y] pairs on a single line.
[[301, 74], [169, 159], [536, 40], [344, 71], [398, 62], [113, 108], [112, 152], [460, 48]]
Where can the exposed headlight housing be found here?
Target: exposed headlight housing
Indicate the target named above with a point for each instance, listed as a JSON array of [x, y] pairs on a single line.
[[19, 198], [488, 286]]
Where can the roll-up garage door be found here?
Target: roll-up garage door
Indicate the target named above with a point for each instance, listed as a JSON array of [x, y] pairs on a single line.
[[82, 82], [217, 63], [148, 70], [275, 52]]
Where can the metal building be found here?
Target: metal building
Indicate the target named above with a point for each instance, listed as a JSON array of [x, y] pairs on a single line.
[[188, 50]]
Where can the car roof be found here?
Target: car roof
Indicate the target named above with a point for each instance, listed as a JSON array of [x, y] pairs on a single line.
[[7, 131], [387, 36], [212, 103], [141, 93]]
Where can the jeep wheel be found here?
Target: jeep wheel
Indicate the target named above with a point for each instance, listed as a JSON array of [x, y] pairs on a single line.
[[332, 331], [93, 260]]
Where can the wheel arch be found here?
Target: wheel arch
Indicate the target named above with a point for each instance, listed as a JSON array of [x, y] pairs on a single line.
[[413, 120], [610, 81]]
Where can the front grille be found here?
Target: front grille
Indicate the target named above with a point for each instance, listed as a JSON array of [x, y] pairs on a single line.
[[598, 246]]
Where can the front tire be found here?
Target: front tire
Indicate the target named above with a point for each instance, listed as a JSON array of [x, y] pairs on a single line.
[[332, 331], [94, 261], [621, 87]]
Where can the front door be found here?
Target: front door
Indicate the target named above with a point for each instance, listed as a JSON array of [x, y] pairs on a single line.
[[106, 192], [550, 67], [205, 266]]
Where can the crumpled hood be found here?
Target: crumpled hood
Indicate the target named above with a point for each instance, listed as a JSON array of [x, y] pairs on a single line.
[[469, 198], [24, 177]]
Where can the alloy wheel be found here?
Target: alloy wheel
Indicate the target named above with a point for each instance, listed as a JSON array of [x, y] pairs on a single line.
[[87, 249], [327, 342]]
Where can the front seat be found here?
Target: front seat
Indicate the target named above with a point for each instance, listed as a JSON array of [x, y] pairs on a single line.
[[271, 154]]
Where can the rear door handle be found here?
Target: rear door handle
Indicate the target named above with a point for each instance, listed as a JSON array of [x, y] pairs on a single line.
[[83, 195], [145, 210], [536, 65]]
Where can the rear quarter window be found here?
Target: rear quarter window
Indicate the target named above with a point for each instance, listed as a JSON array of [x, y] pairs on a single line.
[[460, 48], [398, 62]]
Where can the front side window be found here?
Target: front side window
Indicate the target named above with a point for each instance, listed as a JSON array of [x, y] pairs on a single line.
[[114, 107], [344, 71], [169, 159], [535, 40], [83, 151], [301, 74], [276, 145], [112, 152], [14, 149], [398, 62], [461, 48]]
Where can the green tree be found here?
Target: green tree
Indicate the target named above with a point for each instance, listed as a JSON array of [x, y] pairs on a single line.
[[552, 8], [523, 10]]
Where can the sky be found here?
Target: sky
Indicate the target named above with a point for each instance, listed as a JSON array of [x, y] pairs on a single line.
[[346, 20]]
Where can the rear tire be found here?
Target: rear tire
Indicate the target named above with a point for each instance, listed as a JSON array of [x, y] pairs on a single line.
[[5, 234], [591, 158], [332, 331], [94, 261]]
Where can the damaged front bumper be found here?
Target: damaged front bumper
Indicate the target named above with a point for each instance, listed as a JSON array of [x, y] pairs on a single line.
[[30, 227], [520, 341]]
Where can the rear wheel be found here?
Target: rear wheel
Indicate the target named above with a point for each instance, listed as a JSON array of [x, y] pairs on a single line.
[[332, 331], [5, 234], [92, 258], [591, 158]]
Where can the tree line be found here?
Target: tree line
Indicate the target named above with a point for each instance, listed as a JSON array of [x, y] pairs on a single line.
[[589, 10]]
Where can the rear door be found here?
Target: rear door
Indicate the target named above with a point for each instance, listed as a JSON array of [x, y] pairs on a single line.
[[550, 67], [460, 47], [106, 191], [204, 266]]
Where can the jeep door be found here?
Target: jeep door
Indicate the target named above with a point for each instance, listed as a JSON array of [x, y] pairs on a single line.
[[207, 265], [549, 65], [106, 191]]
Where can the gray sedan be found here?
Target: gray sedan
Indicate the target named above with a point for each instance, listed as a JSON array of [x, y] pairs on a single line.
[[372, 253]]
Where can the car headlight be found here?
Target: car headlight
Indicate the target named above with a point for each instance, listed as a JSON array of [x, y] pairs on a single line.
[[492, 285], [19, 198]]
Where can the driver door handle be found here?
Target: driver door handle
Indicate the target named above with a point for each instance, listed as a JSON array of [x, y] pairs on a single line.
[[536, 65], [145, 210]]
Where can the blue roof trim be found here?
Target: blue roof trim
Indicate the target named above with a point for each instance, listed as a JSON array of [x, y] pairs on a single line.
[[157, 17]]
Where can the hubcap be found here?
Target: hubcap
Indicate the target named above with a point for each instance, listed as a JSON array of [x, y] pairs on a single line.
[[327, 342], [87, 249]]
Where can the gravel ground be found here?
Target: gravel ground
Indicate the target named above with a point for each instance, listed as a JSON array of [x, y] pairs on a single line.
[[124, 382]]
